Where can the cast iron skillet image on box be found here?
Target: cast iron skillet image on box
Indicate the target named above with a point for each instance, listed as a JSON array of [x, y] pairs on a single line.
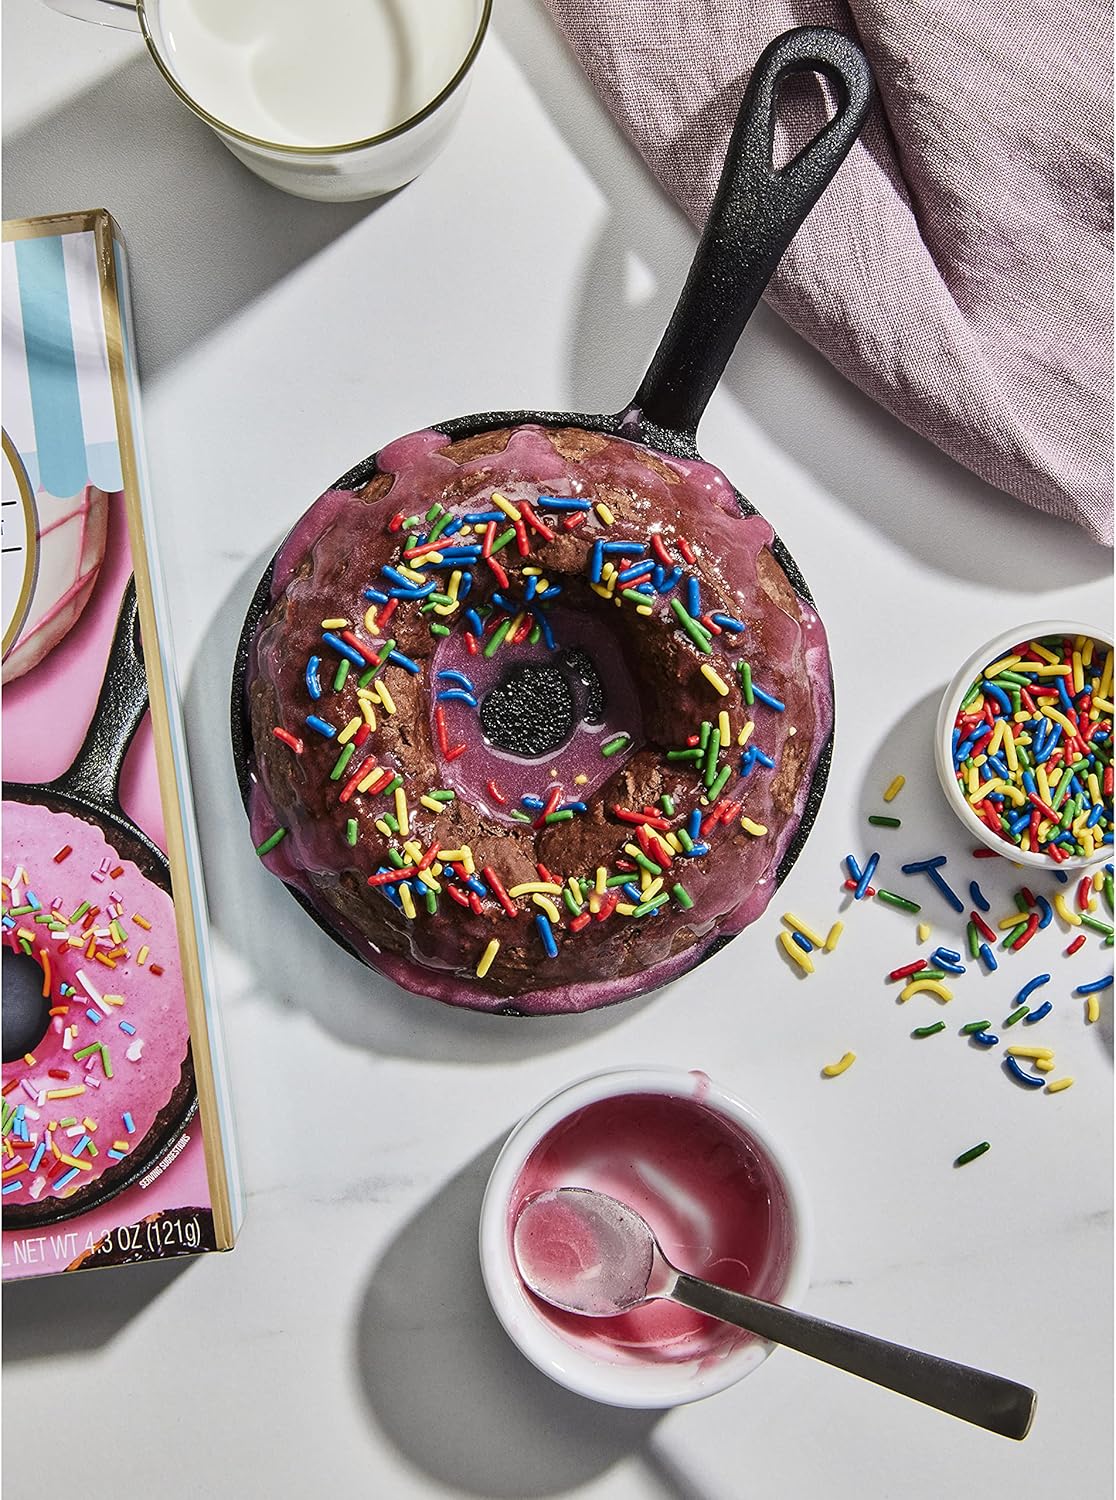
[[532, 711], [77, 847]]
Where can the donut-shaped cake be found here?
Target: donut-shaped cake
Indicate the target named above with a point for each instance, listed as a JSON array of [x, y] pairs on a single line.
[[70, 544], [94, 1026], [535, 716]]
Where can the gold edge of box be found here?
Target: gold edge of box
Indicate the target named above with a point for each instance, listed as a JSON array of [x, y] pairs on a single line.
[[49, 224], [106, 230]]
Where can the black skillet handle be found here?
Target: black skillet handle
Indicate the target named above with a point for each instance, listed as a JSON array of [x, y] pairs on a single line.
[[121, 704], [755, 214]]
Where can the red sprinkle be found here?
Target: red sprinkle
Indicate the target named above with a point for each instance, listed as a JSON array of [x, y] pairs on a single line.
[[496, 886], [489, 538], [386, 613], [156, 969], [457, 895], [982, 927], [984, 854], [544, 874], [429, 857], [57, 1073], [537, 526], [522, 545], [396, 521], [287, 738], [441, 729], [63, 853], [452, 755], [655, 820], [569, 524], [1078, 942], [471, 643], [1084, 889], [850, 885], [660, 551], [496, 794], [361, 735], [116, 874], [1027, 934], [686, 550], [389, 877], [908, 969], [608, 906], [358, 776], [501, 576], [580, 921]]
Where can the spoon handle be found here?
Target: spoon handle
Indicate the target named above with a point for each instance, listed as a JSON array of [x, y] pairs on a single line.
[[974, 1395]]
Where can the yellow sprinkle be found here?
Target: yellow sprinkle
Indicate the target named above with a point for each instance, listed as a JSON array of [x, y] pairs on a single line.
[[547, 905], [1043, 782], [1058, 1084], [402, 812], [985, 788], [1004, 664], [644, 609], [411, 574], [90, 1125], [1092, 1008], [113, 999], [368, 713], [1044, 1064], [715, 679], [604, 513], [624, 908], [1105, 703], [757, 830], [335, 624], [653, 887], [675, 842], [601, 881], [452, 856], [141, 921], [833, 1070], [934, 986], [1078, 674], [362, 786], [924, 932], [580, 779], [431, 805], [745, 734], [384, 828], [407, 900], [895, 788], [487, 958], [510, 510], [1063, 910], [796, 924], [1098, 875], [1094, 790], [1009, 746], [141, 956], [1060, 718], [121, 1146], [1032, 1052], [535, 887], [1043, 651], [997, 737], [65, 1093], [726, 729], [29, 1059], [972, 779], [832, 936], [349, 730], [1106, 676], [370, 618], [792, 950], [73, 1161], [384, 696]]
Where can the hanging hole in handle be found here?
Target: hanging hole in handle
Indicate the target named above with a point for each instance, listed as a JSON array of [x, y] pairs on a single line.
[[804, 105]]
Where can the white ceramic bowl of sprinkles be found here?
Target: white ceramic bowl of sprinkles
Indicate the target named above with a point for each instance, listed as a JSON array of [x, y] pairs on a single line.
[[995, 653]]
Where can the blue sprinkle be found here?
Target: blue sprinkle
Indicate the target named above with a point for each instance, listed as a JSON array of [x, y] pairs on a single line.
[[984, 1039], [852, 867], [697, 851], [947, 953], [990, 690], [551, 593], [14, 1187], [465, 586], [454, 527], [978, 897], [117, 1155], [628, 549], [1030, 987], [1016, 1071], [485, 516], [951, 968], [670, 581], [577, 807], [1096, 986], [693, 598], [544, 626], [374, 596], [473, 622], [547, 935], [1036, 1015], [343, 649], [413, 593], [726, 622], [866, 876], [471, 883], [530, 800], [40, 1149], [320, 726], [459, 678], [1047, 912], [94, 1015], [561, 502], [989, 957], [767, 698], [127, 1028], [60, 1182], [129, 1123], [313, 685], [804, 943], [81, 1145], [693, 823], [397, 659], [637, 570], [631, 890], [596, 561], [1095, 816]]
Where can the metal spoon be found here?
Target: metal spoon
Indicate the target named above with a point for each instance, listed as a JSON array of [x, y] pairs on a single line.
[[588, 1253]]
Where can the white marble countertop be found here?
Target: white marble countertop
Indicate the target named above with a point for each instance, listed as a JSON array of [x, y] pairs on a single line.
[[346, 1345]]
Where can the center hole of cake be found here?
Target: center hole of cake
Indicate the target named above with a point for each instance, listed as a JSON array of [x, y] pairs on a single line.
[[534, 708], [26, 1010]]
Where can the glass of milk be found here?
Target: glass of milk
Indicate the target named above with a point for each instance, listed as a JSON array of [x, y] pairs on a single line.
[[331, 99]]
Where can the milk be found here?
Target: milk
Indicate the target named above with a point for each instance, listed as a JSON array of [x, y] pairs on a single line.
[[313, 72]]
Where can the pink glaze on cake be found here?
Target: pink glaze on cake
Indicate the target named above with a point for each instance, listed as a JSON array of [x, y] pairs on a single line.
[[112, 984], [655, 693], [711, 1195]]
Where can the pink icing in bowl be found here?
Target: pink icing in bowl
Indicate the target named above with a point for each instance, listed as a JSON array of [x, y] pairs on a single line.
[[719, 1194]]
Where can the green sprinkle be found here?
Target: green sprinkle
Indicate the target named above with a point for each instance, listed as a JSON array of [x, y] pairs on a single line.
[[746, 683], [106, 1061], [342, 761], [1021, 903], [1017, 1015], [927, 974], [650, 906], [341, 673], [683, 837], [1014, 935], [19, 911], [383, 652], [396, 781], [439, 630], [534, 635], [435, 510], [682, 896], [974, 940], [971, 696], [82, 909], [496, 640], [971, 1154], [396, 859], [1095, 923], [613, 881], [878, 820], [442, 794], [719, 785], [712, 752], [706, 731], [614, 746], [697, 633], [439, 526], [431, 901], [392, 822], [695, 754], [503, 539], [929, 1030], [636, 597], [666, 802], [352, 831], [269, 844], [889, 898], [573, 905], [563, 816], [646, 864], [971, 1028], [519, 817]]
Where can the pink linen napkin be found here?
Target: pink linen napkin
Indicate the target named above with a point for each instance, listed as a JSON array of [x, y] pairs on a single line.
[[959, 267]]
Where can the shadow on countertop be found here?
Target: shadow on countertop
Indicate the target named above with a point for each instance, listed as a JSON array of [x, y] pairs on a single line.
[[445, 1384], [78, 1313]]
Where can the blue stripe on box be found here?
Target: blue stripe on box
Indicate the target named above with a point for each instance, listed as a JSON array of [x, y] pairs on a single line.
[[51, 369]]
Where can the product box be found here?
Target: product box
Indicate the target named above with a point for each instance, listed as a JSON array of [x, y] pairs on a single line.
[[117, 1140]]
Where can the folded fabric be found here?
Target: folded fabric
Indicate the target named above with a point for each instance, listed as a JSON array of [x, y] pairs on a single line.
[[959, 267]]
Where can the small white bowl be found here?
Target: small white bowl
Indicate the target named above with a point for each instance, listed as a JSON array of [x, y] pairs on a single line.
[[646, 1385], [964, 678]]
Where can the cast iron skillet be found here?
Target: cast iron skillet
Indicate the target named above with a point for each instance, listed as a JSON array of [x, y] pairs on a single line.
[[90, 790], [754, 216]]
